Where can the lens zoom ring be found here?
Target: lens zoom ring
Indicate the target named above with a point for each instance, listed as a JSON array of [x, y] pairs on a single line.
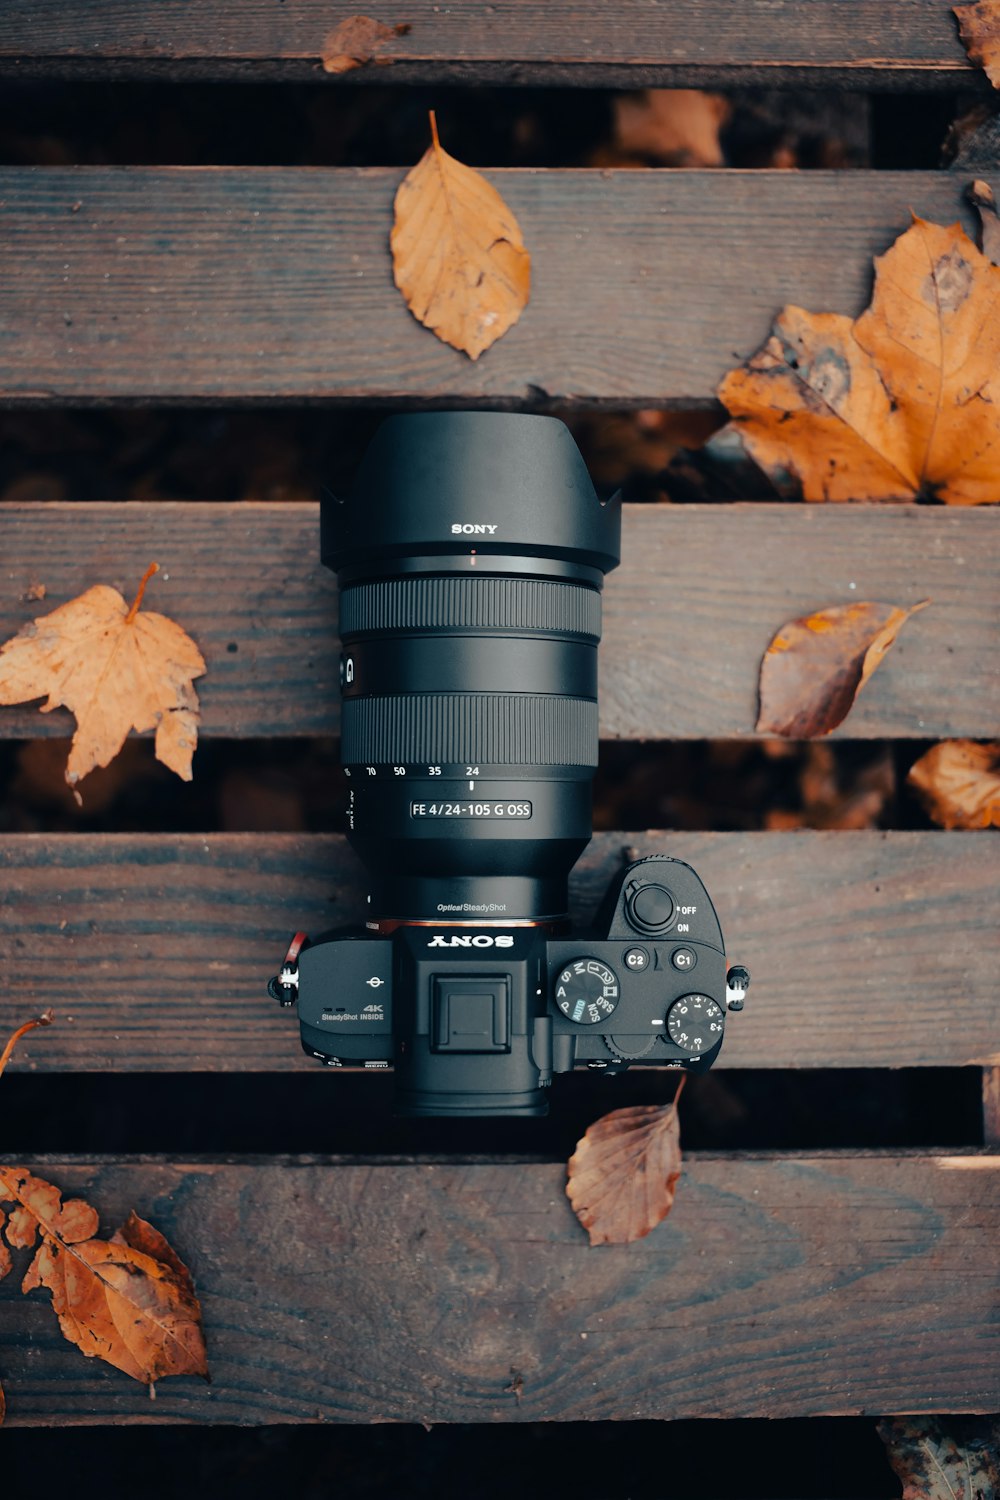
[[513, 729], [468, 603]]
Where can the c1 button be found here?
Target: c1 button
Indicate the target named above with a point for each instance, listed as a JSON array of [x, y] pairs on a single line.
[[684, 959], [636, 959]]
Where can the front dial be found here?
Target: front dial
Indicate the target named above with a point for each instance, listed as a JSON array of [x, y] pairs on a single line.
[[587, 991], [695, 1022]]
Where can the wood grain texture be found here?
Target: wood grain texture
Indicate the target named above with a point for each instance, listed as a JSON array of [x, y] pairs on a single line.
[[128, 284], [413, 1293], [882, 44], [688, 615], [866, 949]]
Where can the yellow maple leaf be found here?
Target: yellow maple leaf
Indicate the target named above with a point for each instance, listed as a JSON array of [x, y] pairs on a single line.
[[903, 403], [115, 670], [457, 252]]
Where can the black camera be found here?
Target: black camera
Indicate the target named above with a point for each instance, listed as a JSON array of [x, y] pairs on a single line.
[[471, 555]]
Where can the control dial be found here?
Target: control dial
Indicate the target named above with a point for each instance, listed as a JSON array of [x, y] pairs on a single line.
[[695, 1023], [587, 991]]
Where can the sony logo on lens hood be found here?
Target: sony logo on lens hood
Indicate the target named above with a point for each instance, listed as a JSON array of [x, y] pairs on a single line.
[[467, 529], [481, 940]]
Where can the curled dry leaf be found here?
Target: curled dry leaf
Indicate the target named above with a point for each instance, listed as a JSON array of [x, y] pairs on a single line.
[[902, 404], [356, 41], [980, 27], [129, 1300], [815, 666], [958, 782], [457, 253], [115, 669], [983, 200], [933, 1463], [623, 1174]]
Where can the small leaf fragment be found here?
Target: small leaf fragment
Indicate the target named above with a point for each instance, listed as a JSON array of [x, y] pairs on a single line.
[[3, 1404], [356, 41], [115, 669], [457, 252], [983, 200], [979, 24], [815, 666], [6, 1264], [623, 1175], [958, 782], [935, 1463]]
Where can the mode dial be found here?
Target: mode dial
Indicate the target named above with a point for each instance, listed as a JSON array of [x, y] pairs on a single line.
[[587, 991], [695, 1023]]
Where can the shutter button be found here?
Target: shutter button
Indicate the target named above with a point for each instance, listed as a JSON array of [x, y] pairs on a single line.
[[650, 908]]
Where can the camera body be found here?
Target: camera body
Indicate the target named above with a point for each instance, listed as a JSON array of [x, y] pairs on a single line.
[[477, 1019]]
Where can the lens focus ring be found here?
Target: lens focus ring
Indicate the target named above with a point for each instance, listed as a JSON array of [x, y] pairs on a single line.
[[521, 729], [470, 603]]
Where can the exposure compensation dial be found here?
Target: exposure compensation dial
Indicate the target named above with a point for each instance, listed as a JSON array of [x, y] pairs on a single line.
[[587, 991], [695, 1022]]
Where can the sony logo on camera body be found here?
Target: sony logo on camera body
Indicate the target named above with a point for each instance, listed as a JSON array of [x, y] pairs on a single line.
[[468, 529], [481, 940]]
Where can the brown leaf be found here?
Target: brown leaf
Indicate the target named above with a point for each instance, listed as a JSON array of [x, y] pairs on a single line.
[[457, 253], [959, 783], [980, 27], [6, 1264], [902, 404], [932, 1463], [671, 127], [356, 41], [983, 200], [623, 1174], [815, 667], [130, 1306], [114, 669]]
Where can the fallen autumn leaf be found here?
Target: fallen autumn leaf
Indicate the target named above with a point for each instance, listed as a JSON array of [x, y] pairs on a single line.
[[931, 1463], [356, 41], [623, 1175], [979, 25], [958, 782], [457, 253], [903, 403], [115, 669], [815, 666]]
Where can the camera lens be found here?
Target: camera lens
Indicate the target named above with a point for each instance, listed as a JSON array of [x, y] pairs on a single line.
[[470, 555]]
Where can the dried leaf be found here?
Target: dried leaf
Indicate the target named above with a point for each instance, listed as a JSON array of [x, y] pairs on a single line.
[[356, 41], [980, 27], [114, 1300], [902, 404], [932, 1463], [983, 200], [6, 1264], [115, 669], [815, 667], [671, 127], [457, 253], [623, 1174], [959, 783]]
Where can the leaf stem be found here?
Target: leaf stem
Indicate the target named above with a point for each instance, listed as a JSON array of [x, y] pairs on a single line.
[[153, 568], [434, 129], [45, 1019], [680, 1089]]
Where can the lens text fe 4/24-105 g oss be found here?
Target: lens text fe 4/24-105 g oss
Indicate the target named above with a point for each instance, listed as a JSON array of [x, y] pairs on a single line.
[[471, 555]]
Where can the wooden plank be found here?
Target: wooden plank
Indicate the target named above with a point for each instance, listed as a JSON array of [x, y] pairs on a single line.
[[219, 284], [688, 616], [881, 44], [836, 1285], [866, 949]]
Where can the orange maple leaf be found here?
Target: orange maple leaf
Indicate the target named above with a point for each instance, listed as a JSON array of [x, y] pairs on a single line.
[[115, 670], [903, 403]]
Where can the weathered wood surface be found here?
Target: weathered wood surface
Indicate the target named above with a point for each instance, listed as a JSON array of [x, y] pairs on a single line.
[[269, 284], [883, 44], [689, 614], [866, 950], [420, 1292]]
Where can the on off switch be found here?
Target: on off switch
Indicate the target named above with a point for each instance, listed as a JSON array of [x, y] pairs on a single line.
[[649, 908]]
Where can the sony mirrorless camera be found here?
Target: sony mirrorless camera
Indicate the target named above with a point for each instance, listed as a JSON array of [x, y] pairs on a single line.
[[470, 556]]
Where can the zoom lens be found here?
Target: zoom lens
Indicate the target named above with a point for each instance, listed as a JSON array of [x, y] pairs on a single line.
[[470, 555]]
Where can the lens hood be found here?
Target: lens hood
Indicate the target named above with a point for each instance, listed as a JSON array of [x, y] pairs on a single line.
[[449, 483]]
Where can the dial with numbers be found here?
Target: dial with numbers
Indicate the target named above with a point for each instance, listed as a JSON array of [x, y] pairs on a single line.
[[587, 991], [695, 1023]]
